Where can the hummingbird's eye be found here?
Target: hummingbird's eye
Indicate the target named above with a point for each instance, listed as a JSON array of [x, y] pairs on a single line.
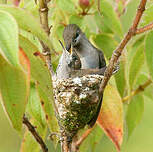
[[77, 34], [75, 38]]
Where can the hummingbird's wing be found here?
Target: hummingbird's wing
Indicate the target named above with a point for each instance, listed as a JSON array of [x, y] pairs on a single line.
[[94, 119], [102, 62], [102, 65]]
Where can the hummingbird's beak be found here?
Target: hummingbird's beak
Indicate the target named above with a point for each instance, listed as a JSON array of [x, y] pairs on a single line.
[[69, 48], [70, 51]]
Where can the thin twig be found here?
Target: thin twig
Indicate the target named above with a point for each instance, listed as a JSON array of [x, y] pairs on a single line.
[[144, 29], [116, 7], [138, 90], [98, 7], [31, 128], [82, 138], [117, 53], [125, 3], [43, 11]]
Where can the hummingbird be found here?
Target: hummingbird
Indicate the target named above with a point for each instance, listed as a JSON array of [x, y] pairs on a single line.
[[70, 66], [90, 56]]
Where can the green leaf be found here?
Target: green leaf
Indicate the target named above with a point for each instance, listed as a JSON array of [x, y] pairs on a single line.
[[148, 92], [42, 77], [134, 113], [2, 1], [120, 77], [135, 65], [59, 32], [137, 42], [9, 38], [147, 17], [74, 19], [110, 17], [142, 78], [101, 23], [28, 23], [128, 16], [106, 43], [110, 118], [48, 108], [149, 52], [66, 5], [92, 140], [34, 106], [29, 144], [14, 89], [88, 20]]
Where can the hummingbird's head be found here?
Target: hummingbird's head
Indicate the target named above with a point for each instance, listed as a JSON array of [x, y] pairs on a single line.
[[72, 36]]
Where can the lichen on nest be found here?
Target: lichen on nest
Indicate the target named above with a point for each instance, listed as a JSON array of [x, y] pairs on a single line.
[[76, 101]]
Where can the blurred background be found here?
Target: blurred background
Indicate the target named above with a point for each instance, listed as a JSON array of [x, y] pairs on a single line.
[[141, 139]]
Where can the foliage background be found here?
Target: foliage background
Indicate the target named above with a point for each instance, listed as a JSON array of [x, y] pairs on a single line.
[[133, 72], [140, 140]]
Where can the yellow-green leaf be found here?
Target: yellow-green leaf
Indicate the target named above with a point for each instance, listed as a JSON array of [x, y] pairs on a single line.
[[134, 113], [9, 38], [28, 22], [34, 106], [106, 43], [14, 89], [111, 116], [42, 77], [110, 17], [135, 66], [149, 52]]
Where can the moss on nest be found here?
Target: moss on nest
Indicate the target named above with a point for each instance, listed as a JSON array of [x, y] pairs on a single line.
[[76, 101]]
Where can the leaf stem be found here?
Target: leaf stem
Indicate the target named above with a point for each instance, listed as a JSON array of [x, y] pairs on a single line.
[[138, 90], [31, 128]]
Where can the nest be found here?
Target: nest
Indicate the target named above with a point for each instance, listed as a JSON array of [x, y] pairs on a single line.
[[76, 101]]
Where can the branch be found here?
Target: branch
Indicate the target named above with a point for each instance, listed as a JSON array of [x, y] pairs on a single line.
[[138, 90], [82, 138], [144, 29], [31, 128], [43, 11], [117, 53], [65, 143]]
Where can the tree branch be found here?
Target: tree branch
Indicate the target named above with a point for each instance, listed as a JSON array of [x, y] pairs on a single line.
[[138, 90], [82, 138], [144, 29], [65, 143], [43, 12], [31, 128], [117, 53]]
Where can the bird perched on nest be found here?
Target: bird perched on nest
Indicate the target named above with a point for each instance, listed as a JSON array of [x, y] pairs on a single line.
[[90, 56], [77, 98], [70, 66]]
